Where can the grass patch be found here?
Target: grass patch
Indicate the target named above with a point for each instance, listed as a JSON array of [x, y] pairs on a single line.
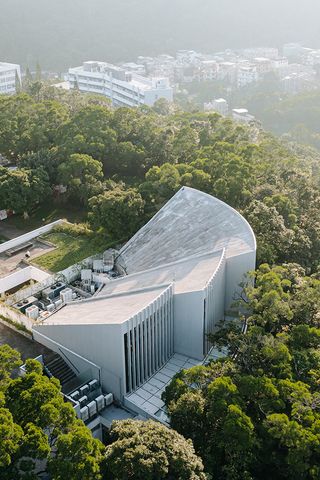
[[44, 214], [70, 250]]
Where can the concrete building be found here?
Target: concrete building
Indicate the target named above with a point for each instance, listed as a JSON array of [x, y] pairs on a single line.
[[247, 75], [9, 73], [298, 82], [178, 276], [266, 52], [122, 87], [263, 65], [208, 70], [242, 115], [219, 105]]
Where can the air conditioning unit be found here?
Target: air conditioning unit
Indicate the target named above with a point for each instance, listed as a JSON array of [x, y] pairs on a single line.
[[100, 403], [83, 400], [32, 312], [84, 389], [108, 399], [66, 295], [98, 266], [75, 395], [51, 307], [92, 406], [53, 291], [58, 303], [84, 413], [93, 384], [86, 275]]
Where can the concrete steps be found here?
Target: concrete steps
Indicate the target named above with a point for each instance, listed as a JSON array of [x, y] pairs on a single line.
[[58, 368]]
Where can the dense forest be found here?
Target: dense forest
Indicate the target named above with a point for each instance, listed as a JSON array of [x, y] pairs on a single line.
[[122, 165], [255, 413], [64, 33]]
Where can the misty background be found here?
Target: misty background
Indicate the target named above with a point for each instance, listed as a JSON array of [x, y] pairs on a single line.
[[63, 33]]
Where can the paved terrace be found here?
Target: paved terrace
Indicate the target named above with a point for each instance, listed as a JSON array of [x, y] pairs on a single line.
[[15, 262]]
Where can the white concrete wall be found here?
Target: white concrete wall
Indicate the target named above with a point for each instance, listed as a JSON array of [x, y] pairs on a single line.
[[237, 268], [28, 236], [15, 316], [189, 324], [101, 344], [22, 276], [78, 363]]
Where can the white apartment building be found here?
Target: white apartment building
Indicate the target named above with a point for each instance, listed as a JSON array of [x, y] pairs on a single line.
[[8, 72], [297, 82], [247, 75], [208, 70], [266, 52], [125, 89], [263, 65], [219, 105], [280, 62]]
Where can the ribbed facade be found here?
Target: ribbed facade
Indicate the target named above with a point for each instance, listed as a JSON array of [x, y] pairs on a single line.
[[214, 298], [148, 343]]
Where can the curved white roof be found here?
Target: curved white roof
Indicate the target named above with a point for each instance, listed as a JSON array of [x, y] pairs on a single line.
[[191, 223]]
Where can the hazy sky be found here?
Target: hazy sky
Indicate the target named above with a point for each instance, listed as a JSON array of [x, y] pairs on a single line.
[[62, 33]]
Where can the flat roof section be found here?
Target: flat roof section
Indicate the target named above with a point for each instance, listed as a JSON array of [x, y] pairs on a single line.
[[191, 223], [114, 309], [191, 274]]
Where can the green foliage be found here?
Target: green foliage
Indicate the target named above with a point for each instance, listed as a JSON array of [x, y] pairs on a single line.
[[37, 427], [56, 136], [150, 451], [21, 190], [78, 455], [9, 360], [260, 405], [118, 211], [83, 176]]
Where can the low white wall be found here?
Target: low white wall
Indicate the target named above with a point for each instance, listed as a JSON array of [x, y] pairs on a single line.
[[15, 242], [15, 316], [22, 276]]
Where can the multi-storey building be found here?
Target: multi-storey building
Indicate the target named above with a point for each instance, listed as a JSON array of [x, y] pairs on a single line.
[[122, 87], [219, 105], [246, 75], [266, 52], [10, 73]]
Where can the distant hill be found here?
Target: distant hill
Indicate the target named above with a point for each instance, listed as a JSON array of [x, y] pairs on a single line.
[[61, 33]]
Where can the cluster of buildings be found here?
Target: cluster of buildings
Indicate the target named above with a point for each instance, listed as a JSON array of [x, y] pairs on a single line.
[[148, 79], [221, 106], [235, 68], [122, 324]]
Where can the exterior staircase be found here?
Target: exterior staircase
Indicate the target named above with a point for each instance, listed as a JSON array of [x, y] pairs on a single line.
[[56, 367]]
